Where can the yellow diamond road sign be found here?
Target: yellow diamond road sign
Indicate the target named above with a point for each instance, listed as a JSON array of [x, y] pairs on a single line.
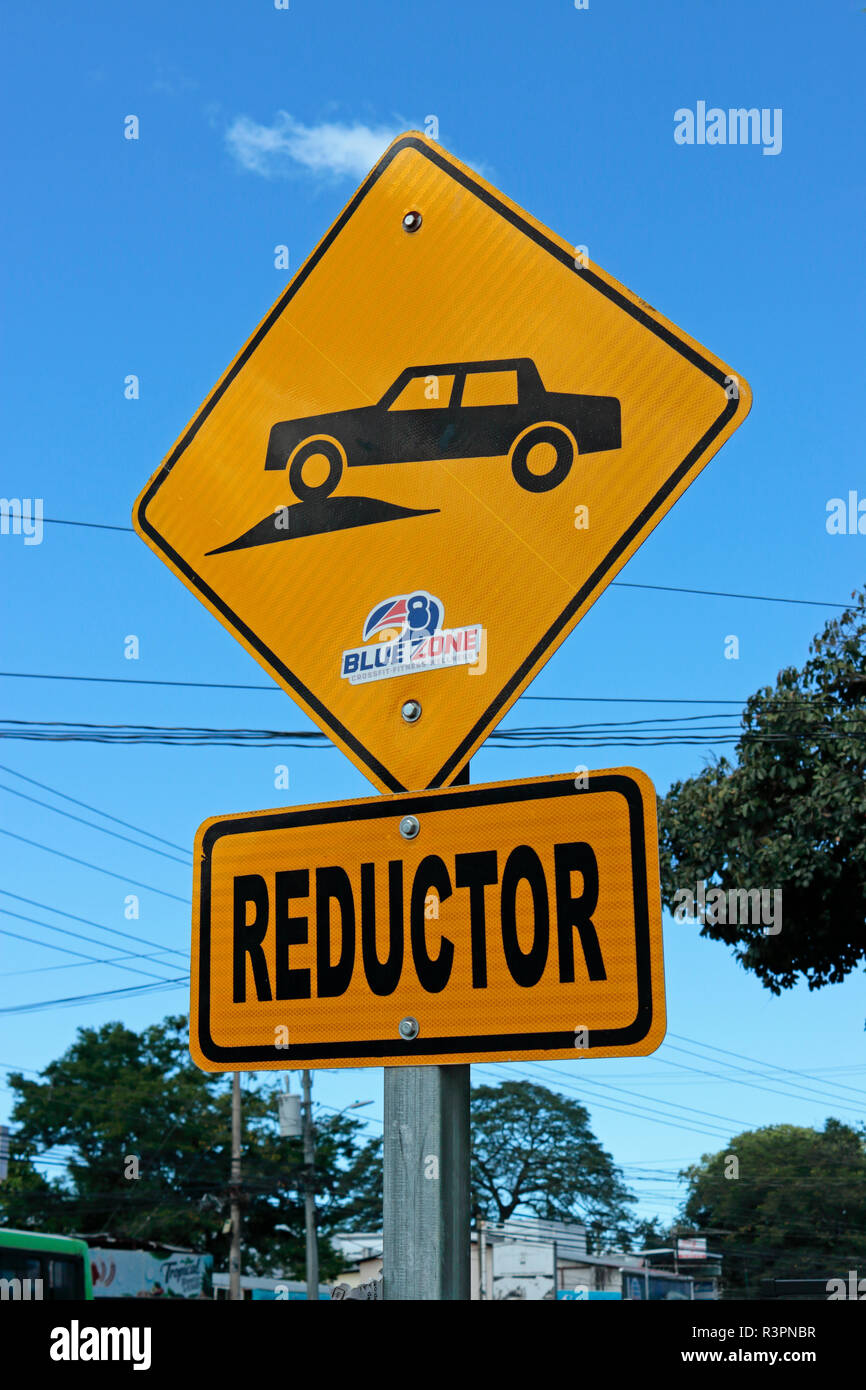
[[442, 443], [513, 920]]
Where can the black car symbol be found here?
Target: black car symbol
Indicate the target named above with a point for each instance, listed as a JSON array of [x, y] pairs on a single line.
[[447, 411]]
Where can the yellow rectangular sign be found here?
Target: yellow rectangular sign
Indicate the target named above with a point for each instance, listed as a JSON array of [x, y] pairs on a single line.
[[509, 921]]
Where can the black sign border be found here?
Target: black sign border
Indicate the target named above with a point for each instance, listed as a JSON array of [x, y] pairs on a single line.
[[427, 804], [490, 716]]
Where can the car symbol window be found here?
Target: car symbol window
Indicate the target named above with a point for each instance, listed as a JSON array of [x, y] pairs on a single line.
[[490, 388], [424, 393]]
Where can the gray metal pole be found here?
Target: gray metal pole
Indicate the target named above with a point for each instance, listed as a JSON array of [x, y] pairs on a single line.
[[426, 1182], [309, 1192], [235, 1191], [426, 1208]]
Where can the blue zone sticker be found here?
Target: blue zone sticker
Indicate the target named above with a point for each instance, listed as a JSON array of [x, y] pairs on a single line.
[[411, 639]]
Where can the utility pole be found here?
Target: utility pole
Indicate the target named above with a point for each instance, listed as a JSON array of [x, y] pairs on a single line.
[[235, 1191], [426, 1197], [309, 1192], [426, 1186]]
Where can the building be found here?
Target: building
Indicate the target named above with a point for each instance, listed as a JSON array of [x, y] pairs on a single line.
[[256, 1289], [527, 1258], [361, 1252], [521, 1256]]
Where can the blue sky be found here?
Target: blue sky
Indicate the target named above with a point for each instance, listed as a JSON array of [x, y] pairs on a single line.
[[156, 257]]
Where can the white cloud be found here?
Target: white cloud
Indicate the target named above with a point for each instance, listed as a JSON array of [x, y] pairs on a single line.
[[329, 150]]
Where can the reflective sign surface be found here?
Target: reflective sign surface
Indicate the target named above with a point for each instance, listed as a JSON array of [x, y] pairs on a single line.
[[511, 920], [442, 443]]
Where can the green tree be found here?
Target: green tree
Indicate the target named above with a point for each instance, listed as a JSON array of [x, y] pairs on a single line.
[[126, 1103], [347, 1179], [790, 815], [533, 1149], [651, 1233], [792, 1206]]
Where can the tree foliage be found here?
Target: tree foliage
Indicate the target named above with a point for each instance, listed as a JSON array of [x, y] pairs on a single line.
[[790, 815], [116, 1095], [533, 1149], [793, 1206]]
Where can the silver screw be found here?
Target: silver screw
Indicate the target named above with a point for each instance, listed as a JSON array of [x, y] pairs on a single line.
[[411, 711], [412, 221], [409, 827], [408, 1028]]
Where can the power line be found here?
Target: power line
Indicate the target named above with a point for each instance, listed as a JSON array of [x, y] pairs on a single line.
[[616, 583], [705, 1131], [79, 936], [67, 951], [274, 689], [48, 926], [98, 867], [91, 525], [710, 1047], [721, 593], [822, 1098], [112, 931], [644, 1111], [87, 807], [621, 700], [130, 680], [151, 849], [665, 1079], [78, 965], [711, 1131], [616, 734], [803, 1099], [672, 1105], [130, 992], [66, 732], [782, 703]]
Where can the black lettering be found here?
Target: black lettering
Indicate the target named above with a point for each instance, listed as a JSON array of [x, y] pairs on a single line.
[[290, 931], [577, 912], [382, 976], [527, 967], [433, 975], [247, 938], [333, 980], [476, 872]]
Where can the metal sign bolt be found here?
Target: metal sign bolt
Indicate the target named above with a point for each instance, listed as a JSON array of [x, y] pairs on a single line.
[[409, 827], [408, 1028], [411, 711], [412, 221]]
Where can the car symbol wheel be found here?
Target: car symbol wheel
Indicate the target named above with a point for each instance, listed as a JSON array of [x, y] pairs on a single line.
[[323, 447], [565, 447]]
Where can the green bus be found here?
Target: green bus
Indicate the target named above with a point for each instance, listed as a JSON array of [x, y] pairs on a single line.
[[43, 1267]]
